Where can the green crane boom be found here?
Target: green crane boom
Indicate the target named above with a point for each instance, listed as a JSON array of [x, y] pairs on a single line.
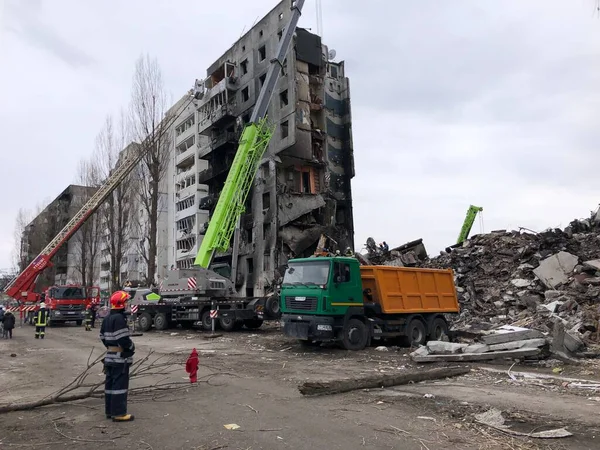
[[252, 146], [468, 223]]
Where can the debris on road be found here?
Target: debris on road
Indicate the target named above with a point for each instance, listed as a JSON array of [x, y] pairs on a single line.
[[378, 381], [493, 418]]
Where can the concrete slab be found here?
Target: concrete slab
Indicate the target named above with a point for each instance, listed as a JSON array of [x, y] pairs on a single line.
[[465, 357], [502, 338], [477, 348], [592, 264], [445, 348], [555, 270], [527, 343]]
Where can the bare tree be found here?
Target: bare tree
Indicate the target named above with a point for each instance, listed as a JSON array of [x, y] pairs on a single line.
[[88, 237], [149, 109], [111, 148]]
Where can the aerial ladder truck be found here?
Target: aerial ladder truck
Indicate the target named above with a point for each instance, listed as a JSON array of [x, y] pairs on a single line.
[[21, 288], [198, 294]]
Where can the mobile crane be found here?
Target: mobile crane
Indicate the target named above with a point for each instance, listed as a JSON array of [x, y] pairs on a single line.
[[468, 223], [189, 295]]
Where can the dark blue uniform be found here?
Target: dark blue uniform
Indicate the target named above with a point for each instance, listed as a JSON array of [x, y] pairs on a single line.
[[114, 334]]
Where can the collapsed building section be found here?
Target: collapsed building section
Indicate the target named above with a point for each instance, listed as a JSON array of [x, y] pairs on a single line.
[[302, 189]]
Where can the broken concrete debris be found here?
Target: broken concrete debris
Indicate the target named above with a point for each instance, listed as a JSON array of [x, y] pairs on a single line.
[[493, 418], [500, 345], [529, 280]]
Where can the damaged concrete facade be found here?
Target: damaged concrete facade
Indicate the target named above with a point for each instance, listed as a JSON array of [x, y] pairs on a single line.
[[45, 226], [302, 188]]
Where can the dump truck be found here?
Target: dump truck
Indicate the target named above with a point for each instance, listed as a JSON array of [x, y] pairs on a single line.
[[187, 297], [336, 299]]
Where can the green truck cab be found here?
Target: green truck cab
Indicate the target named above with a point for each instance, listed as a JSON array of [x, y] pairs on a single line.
[[334, 298]]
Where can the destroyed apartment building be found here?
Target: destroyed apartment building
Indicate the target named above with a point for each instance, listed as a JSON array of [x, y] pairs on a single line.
[[67, 264], [302, 189]]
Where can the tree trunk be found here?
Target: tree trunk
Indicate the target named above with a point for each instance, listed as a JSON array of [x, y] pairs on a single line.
[[152, 247], [378, 381]]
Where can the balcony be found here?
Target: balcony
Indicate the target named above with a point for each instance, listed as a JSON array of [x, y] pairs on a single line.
[[186, 158], [222, 139], [186, 134], [219, 103]]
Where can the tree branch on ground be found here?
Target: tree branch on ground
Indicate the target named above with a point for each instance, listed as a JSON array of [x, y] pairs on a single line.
[[151, 365]]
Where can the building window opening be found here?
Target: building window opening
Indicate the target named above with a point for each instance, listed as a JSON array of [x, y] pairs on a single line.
[[261, 79], [285, 129], [266, 230], [280, 34], [250, 265], [266, 262], [266, 200], [305, 187], [262, 53], [245, 94], [283, 99], [333, 70], [280, 16], [244, 66]]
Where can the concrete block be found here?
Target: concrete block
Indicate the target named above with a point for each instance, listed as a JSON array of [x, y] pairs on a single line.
[[594, 264], [477, 348], [520, 282], [555, 270], [465, 357], [421, 351], [572, 342], [445, 348], [501, 338], [527, 343]]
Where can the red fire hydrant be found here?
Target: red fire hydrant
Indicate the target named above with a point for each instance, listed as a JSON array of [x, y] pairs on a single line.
[[191, 366]]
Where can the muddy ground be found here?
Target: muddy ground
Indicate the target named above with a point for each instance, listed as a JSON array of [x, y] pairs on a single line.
[[250, 379]]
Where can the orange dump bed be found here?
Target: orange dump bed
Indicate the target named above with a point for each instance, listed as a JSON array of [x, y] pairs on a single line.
[[411, 290]]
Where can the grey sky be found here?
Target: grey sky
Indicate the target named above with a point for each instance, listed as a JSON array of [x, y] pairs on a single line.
[[490, 103]]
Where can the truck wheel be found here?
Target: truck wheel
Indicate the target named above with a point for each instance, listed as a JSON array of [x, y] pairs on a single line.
[[416, 334], [354, 335], [207, 321], [439, 327], [79, 322], [253, 324], [144, 322], [160, 322], [227, 323], [272, 306]]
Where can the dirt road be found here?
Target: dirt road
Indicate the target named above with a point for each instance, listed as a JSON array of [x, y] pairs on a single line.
[[257, 390]]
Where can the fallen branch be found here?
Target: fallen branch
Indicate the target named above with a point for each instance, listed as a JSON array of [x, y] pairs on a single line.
[[339, 386], [78, 389]]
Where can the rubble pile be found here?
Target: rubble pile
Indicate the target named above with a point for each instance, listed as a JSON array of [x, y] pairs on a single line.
[[529, 280]]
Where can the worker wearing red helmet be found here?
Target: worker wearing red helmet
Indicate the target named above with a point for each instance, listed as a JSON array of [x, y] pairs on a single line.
[[114, 334], [88, 318]]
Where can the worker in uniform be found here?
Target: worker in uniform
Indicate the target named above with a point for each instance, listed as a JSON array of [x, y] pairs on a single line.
[[88, 318], [114, 334], [41, 320], [94, 308]]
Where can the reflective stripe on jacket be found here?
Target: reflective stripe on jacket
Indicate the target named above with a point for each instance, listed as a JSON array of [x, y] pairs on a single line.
[[114, 332], [41, 318]]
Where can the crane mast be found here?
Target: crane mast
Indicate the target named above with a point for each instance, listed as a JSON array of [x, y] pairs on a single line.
[[251, 148], [468, 223]]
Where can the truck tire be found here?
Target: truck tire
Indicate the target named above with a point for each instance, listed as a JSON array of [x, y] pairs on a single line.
[[227, 323], [160, 322], [207, 321], [253, 324], [416, 334], [439, 327], [354, 335], [144, 322], [272, 306]]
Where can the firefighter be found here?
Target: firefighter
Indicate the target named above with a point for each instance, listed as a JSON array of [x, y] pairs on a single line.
[[41, 320], [94, 311], [88, 318], [114, 334]]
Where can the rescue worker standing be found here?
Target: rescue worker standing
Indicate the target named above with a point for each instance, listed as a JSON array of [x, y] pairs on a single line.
[[114, 334], [88, 318], [41, 320]]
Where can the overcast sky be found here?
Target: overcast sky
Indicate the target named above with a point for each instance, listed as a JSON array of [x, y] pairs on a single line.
[[492, 103]]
